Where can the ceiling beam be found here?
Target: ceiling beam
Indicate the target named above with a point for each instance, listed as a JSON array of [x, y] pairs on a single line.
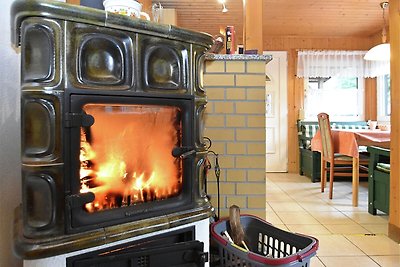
[[253, 29]]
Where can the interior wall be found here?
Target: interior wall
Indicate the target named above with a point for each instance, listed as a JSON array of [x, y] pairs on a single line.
[[295, 85], [10, 178]]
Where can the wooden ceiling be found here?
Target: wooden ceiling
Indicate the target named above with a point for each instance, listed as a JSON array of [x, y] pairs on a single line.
[[302, 18]]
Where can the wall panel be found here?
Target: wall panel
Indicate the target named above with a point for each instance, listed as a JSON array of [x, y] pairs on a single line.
[[394, 218]]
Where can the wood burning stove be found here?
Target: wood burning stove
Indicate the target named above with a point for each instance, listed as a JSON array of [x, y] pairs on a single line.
[[112, 120]]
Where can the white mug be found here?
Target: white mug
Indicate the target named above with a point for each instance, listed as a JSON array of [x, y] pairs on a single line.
[[372, 124], [130, 8]]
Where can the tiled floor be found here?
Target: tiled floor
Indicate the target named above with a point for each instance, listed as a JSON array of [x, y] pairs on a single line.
[[348, 236]]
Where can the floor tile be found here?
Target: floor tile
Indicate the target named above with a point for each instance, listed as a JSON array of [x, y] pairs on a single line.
[[375, 245], [315, 262], [336, 245], [365, 217], [278, 197], [285, 206], [296, 218], [348, 206], [308, 229], [272, 188], [268, 207], [379, 229], [304, 195], [357, 261], [316, 206], [341, 201], [350, 228], [387, 261], [332, 217], [285, 177], [273, 218]]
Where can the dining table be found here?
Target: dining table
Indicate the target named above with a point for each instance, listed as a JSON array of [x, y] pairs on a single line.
[[348, 142]]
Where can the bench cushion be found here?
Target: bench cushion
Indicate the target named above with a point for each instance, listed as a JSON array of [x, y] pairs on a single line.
[[310, 130], [385, 167], [349, 126]]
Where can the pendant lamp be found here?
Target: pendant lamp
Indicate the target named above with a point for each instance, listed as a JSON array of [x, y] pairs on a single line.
[[380, 52]]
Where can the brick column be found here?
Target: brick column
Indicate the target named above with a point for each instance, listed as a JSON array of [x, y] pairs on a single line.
[[235, 122]]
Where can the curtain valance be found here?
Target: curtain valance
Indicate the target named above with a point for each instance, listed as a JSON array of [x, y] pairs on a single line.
[[328, 63]]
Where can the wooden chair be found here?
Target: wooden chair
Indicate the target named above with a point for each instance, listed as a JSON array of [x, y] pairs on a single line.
[[339, 165]]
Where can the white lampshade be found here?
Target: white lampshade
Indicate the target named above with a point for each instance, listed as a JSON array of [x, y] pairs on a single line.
[[379, 52]]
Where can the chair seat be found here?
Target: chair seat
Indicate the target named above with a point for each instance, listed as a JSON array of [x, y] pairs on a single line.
[[363, 159], [342, 157]]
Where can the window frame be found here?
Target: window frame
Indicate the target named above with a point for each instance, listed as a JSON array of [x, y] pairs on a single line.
[[381, 98], [361, 103]]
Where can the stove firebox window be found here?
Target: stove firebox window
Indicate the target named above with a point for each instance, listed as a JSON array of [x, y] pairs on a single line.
[[126, 155]]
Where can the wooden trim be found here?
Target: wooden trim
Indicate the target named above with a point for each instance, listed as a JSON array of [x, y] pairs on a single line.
[[146, 6], [295, 103], [394, 232], [295, 90], [394, 211], [370, 108]]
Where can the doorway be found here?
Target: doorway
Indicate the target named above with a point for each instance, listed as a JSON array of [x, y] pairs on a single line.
[[276, 112]]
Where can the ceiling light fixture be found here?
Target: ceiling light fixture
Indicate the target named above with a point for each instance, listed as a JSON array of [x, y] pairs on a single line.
[[224, 9], [380, 52]]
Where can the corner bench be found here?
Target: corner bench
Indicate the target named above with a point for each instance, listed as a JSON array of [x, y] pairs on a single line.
[[378, 180], [310, 161]]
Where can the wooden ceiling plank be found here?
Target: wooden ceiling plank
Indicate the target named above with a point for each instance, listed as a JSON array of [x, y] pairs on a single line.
[[285, 17]]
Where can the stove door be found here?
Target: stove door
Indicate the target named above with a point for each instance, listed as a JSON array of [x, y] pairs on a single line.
[[126, 161]]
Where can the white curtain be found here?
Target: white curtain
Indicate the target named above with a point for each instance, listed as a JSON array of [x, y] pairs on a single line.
[[376, 68], [328, 63]]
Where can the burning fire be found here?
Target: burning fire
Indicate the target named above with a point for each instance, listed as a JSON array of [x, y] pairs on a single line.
[[126, 155]]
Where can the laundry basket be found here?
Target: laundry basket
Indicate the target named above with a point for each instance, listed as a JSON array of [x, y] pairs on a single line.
[[268, 245]]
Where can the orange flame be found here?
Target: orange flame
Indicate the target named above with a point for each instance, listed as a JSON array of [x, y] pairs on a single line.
[[126, 155]]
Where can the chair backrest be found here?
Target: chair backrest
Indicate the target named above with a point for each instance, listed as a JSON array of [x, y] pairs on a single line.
[[326, 136]]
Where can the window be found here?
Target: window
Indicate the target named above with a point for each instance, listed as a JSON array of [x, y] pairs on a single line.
[[383, 90], [341, 97]]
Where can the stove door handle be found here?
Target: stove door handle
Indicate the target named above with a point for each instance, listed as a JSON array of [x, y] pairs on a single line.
[[78, 120], [79, 200], [183, 152], [186, 154]]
